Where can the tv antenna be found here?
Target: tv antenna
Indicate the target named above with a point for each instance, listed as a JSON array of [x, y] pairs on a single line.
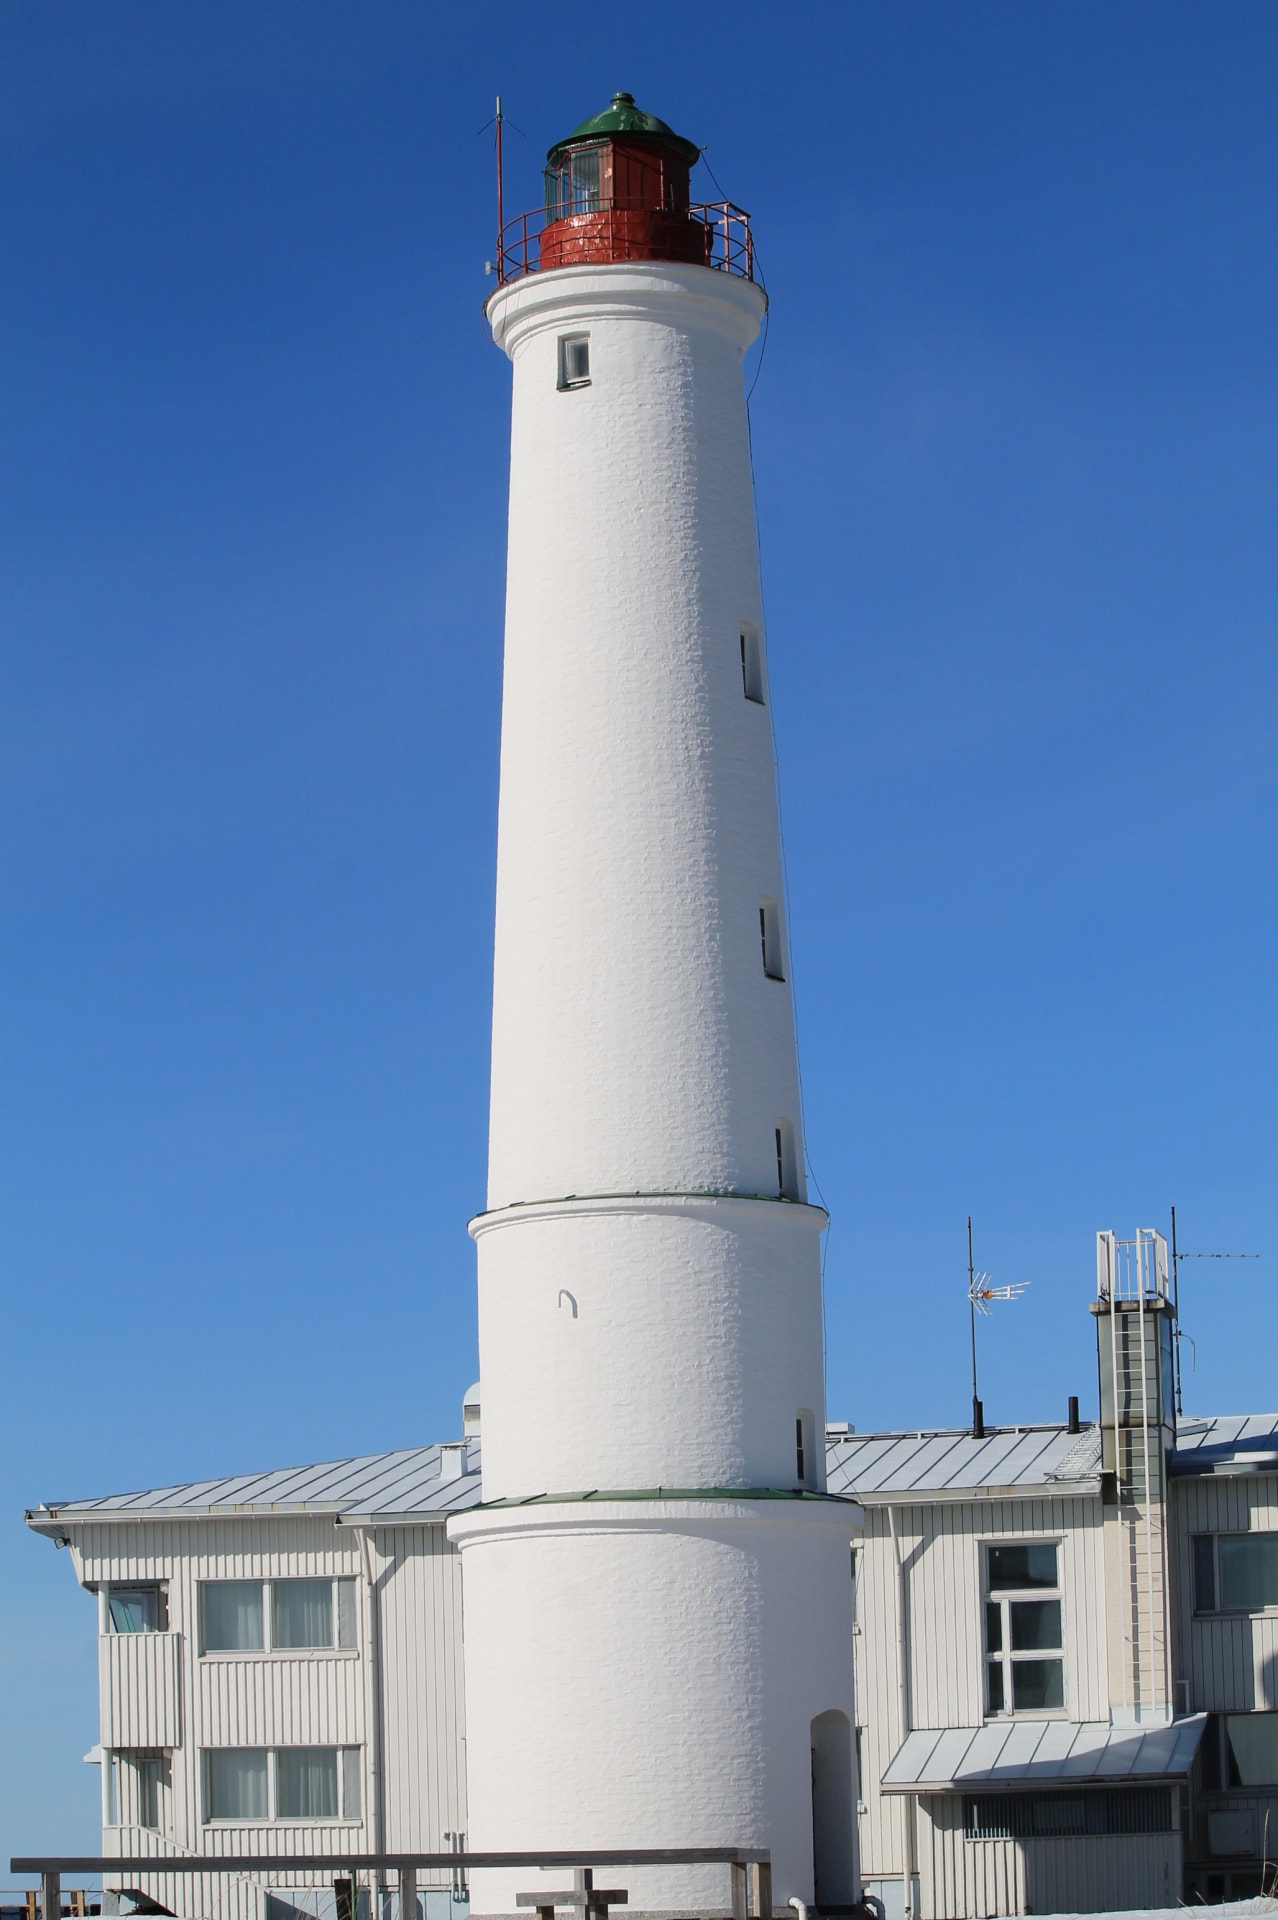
[[1177, 1257], [979, 1295]]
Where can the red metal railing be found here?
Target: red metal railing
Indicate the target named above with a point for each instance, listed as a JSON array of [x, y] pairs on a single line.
[[729, 244]]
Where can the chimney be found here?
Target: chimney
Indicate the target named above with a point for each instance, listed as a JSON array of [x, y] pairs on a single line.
[[1072, 1425]]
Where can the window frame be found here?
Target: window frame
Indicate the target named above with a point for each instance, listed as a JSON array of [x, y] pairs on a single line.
[[122, 1588], [567, 381], [343, 1618], [751, 664], [1206, 1547], [1006, 1656], [348, 1762]]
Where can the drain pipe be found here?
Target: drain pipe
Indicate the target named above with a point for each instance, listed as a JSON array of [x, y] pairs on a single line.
[[903, 1706], [800, 1906], [373, 1698]]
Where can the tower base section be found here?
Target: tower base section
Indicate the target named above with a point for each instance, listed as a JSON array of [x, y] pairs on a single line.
[[662, 1672]]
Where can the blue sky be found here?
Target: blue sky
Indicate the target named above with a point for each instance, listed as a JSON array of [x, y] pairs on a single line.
[[1014, 434]]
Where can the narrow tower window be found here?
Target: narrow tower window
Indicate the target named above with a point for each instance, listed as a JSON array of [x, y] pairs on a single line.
[[805, 1448], [770, 939], [574, 361], [751, 664], [787, 1163]]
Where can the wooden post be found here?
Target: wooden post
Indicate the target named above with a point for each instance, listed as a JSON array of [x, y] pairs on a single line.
[[51, 1896], [740, 1891], [408, 1893], [761, 1874]]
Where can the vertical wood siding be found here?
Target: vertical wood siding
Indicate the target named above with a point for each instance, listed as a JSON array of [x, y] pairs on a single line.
[[423, 1712], [941, 1547], [1229, 1661], [140, 1689], [1095, 1873], [281, 1699]]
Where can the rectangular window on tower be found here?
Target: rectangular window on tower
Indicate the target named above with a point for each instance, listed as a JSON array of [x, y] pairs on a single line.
[[787, 1162], [770, 939], [751, 664], [574, 361], [804, 1448]]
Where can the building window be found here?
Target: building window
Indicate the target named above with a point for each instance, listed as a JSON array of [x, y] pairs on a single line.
[[234, 1615], [770, 939], [306, 1783], [1239, 1750], [804, 1452], [751, 664], [1051, 1816], [1024, 1667], [574, 361], [137, 1610], [787, 1161], [856, 1594], [235, 1784], [285, 1783], [231, 1618], [1235, 1572]]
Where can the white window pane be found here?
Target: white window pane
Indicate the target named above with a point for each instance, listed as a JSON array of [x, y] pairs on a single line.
[[346, 1633], [302, 1613], [1249, 1570], [1253, 1749], [306, 1783], [351, 1796], [236, 1781], [232, 1615]]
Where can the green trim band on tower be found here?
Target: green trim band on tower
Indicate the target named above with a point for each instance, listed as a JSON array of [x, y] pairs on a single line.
[[624, 117], [664, 1493]]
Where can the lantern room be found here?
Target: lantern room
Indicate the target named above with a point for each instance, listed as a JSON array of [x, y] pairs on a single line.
[[617, 189]]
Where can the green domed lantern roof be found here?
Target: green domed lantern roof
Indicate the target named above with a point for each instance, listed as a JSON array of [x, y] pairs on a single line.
[[623, 117]]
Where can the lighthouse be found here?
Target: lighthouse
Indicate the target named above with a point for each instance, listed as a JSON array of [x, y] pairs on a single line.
[[658, 1640]]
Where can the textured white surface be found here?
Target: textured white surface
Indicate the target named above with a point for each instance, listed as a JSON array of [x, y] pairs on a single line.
[[645, 1674], [649, 1343], [637, 1044]]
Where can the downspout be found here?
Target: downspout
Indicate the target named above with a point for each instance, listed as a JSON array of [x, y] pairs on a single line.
[[373, 1703], [903, 1708]]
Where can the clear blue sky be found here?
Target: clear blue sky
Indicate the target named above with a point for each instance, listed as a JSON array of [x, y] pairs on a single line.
[[1015, 437]]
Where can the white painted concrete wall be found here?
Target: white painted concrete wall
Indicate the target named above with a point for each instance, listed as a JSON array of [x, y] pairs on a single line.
[[649, 1284], [645, 1674], [637, 1043]]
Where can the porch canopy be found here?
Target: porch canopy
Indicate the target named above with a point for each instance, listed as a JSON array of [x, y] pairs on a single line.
[[1027, 1755]]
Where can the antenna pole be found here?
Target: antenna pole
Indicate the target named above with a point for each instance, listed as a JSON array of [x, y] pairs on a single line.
[[978, 1422], [1180, 1408], [501, 210]]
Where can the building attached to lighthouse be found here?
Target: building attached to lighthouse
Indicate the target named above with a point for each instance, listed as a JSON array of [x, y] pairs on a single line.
[[657, 1584]]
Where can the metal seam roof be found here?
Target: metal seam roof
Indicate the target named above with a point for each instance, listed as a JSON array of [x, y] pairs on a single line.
[[922, 1464], [1022, 1755]]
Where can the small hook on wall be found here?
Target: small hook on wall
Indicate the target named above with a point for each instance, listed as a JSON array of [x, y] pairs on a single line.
[[565, 1295]]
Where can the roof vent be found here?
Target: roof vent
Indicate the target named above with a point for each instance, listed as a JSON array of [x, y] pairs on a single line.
[[470, 1412], [452, 1460]]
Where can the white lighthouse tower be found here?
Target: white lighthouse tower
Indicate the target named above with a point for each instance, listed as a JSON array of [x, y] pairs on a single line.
[[657, 1586]]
